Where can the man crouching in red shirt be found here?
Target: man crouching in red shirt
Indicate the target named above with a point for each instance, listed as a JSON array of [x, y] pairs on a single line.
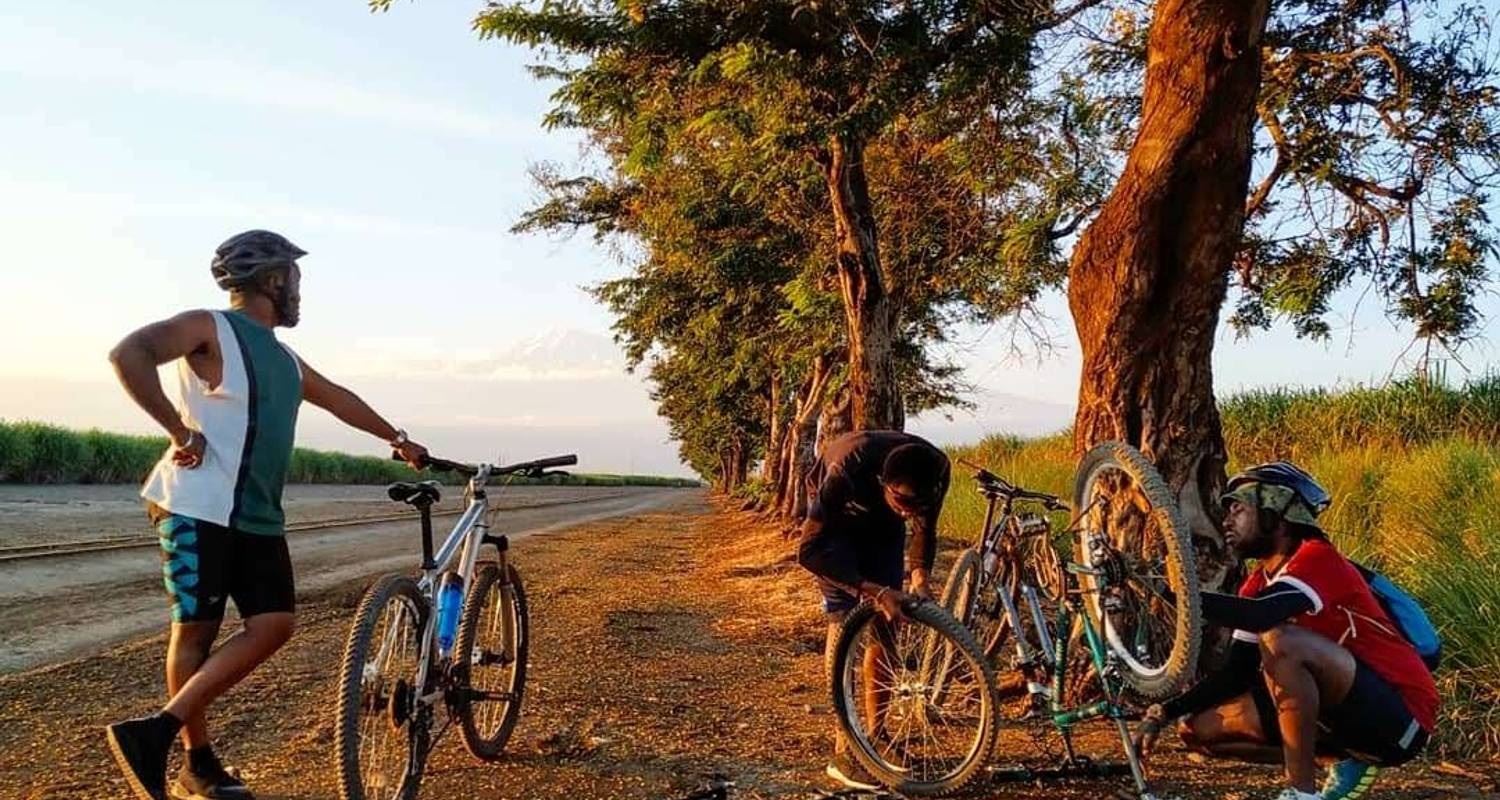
[[1317, 667]]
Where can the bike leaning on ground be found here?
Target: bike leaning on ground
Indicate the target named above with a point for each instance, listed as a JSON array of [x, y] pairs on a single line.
[[454, 638]]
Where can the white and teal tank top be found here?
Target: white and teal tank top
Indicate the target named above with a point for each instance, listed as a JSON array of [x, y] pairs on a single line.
[[249, 420]]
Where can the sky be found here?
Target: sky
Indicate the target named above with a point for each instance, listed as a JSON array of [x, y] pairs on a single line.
[[394, 148]]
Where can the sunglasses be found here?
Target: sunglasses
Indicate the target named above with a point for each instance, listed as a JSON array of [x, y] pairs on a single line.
[[907, 500]]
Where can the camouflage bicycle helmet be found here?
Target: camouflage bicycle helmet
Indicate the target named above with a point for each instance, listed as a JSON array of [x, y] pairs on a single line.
[[1282, 488], [243, 256]]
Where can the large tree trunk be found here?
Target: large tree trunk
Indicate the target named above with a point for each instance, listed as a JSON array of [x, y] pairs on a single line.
[[1149, 275], [799, 441], [868, 310], [770, 468], [836, 418]]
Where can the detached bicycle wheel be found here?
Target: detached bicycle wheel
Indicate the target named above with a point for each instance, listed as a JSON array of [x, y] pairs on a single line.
[[490, 657], [380, 734], [1133, 539], [912, 737]]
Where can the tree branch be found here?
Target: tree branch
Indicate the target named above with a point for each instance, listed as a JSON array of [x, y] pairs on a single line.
[[1278, 135], [1059, 18]]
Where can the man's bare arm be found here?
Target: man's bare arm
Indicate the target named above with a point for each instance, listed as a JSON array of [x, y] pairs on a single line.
[[353, 411], [137, 356]]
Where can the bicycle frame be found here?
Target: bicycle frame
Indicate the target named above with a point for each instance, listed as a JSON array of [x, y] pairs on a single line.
[[470, 533], [1064, 716], [1051, 652]]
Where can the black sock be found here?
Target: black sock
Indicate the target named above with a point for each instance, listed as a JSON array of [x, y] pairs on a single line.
[[202, 761]]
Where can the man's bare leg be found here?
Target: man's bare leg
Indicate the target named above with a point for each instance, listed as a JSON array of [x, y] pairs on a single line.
[[262, 636], [1304, 671], [1231, 731], [187, 649]]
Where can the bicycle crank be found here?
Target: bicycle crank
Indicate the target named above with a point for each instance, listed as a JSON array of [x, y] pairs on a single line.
[[399, 708]]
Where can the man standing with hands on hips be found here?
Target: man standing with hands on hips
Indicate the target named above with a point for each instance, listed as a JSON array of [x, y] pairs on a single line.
[[215, 497]]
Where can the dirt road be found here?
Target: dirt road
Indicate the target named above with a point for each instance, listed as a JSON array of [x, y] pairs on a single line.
[[668, 648], [60, 607]]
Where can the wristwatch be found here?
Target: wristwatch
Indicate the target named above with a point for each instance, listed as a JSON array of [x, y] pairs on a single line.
[[401, 438]]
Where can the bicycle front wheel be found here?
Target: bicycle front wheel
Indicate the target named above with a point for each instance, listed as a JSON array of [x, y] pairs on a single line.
[[490, 658], [380, 732], [914, 737], [1135, 543]]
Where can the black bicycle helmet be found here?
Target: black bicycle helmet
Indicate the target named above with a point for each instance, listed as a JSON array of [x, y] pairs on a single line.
[[243, 256], [1285, 473]]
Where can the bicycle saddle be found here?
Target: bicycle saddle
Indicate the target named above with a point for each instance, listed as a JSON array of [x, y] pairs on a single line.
[[415, 493]]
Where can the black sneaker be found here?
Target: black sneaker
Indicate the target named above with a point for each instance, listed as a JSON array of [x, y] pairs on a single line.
[[213, 782], [140, 747], [848, 772]]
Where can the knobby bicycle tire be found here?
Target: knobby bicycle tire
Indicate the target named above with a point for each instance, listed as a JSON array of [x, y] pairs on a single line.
[[938, 620], [1182, 571], [349, 703], [513, 595]]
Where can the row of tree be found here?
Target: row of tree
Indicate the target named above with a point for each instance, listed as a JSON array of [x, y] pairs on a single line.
[[810, 194]]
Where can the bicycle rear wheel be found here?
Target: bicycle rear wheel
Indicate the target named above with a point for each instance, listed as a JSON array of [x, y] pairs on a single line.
[[490, 658], [912, 738], [1135, 542], [380, 733]]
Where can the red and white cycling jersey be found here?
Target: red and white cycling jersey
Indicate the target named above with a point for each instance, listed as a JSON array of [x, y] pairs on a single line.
[[1345, 611]]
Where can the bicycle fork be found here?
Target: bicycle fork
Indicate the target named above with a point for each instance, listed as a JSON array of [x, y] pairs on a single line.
[[1027, 655]]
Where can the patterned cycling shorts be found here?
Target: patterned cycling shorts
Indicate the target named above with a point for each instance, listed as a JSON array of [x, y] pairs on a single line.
[[204, 564]]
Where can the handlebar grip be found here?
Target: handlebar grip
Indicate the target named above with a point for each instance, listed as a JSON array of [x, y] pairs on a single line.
[[438, 464], [556, 461]]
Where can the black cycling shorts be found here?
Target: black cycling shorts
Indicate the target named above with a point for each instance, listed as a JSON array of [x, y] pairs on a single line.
[[204, 564], [1371, 723], [879, 558]]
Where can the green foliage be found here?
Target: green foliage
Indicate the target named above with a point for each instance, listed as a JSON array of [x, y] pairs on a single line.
[[34, 452], [1378, 147], [1261, 425], [715, 123], [1415, 475]]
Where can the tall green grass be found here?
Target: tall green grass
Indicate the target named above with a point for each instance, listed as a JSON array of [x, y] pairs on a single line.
[[1415, 475], [35, 452], [1263, 424]]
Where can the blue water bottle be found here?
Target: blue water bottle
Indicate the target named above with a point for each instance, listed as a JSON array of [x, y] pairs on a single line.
[[449, 600]]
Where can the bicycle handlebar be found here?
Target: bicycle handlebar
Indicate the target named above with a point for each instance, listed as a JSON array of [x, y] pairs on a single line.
[[1001, 486], [532, 468]]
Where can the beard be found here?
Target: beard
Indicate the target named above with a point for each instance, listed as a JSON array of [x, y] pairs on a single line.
[[1257, 547], [288, 312]]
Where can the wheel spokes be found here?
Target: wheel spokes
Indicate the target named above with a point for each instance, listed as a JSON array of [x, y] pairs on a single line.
[[915, 721], [387, 701]]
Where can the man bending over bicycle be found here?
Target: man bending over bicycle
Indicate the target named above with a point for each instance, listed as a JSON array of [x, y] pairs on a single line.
[[1316, 666], [215, 496], [864, 489]]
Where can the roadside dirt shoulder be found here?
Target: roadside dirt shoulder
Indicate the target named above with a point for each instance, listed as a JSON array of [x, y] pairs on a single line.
[[669, 648]]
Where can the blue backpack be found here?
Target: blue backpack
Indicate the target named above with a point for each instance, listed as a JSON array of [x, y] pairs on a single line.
[[1407, 614]]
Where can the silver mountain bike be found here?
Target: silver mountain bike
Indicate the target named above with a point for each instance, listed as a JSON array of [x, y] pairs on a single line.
[[452, 639]]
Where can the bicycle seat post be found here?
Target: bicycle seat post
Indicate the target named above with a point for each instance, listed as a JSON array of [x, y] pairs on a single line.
[[424, 506]]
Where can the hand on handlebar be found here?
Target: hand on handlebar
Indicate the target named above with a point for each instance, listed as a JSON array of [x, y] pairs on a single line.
[[413, 454]]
